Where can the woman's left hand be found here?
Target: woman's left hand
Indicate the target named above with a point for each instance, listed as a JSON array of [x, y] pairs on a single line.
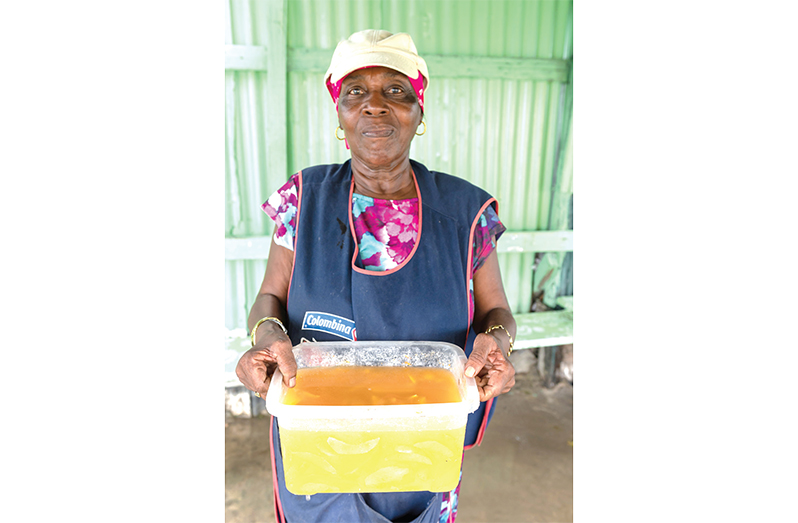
[[492, 370]]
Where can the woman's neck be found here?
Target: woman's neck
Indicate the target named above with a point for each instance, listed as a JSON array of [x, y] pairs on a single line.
[[390, 182]]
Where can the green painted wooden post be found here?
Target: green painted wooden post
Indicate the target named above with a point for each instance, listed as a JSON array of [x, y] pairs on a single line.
[[547, 273], [276, 77]]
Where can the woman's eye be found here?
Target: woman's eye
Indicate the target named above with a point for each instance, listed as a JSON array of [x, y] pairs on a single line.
[[396, 90], [356, 91]]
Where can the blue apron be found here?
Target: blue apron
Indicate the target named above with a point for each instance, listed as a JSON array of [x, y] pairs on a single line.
[[333, 298]]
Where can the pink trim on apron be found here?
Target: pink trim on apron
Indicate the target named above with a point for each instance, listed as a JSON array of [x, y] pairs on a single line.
[[489, 404], [357, 246], [296, 224], [278, 508]]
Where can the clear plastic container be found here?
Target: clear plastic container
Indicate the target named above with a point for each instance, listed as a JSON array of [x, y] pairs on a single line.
[[374, 448]]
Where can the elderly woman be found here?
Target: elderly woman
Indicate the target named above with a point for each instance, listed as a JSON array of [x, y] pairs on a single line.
[[386, 248]]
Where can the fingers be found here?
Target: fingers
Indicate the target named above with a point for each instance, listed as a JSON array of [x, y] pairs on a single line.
[[494, 374], [254, 373], [509, 385], [256, 367], [284, 355], [495, 384], [262, 386], [490, 384], [478, 357], [483, 387], [487, 393]]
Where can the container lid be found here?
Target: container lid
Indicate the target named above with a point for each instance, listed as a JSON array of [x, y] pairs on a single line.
[[377, 353]]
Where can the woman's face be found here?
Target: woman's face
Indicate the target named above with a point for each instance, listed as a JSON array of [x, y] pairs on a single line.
[[379, 113]]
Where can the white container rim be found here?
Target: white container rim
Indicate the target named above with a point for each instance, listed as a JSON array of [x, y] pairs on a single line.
[[462, 408]]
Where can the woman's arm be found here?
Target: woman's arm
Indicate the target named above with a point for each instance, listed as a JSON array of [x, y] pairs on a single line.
[[273, 293], [272, 346], [488, 361]]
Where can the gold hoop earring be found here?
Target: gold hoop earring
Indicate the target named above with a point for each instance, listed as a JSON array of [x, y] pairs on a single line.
[[425, 128], [336, 133]]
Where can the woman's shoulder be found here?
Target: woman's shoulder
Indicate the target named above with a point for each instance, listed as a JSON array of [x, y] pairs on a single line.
[[448, 183], [451, 195], [325, 173]]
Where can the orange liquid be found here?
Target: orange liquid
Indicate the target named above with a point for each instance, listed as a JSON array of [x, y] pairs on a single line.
[[372, 386]]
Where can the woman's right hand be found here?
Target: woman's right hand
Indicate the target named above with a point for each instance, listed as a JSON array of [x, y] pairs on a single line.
[[272, 350]]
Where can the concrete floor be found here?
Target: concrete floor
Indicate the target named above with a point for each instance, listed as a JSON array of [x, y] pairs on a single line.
[[522, 472]]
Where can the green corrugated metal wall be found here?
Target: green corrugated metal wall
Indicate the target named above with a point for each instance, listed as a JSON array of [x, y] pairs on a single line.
[[497, 110]]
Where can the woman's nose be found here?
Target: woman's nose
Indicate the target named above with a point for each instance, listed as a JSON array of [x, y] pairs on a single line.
[[375, 105]]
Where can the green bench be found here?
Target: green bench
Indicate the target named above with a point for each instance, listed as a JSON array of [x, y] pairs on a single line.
[[546, 328]]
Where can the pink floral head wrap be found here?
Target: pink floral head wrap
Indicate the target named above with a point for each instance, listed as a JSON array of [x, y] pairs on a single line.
[[417, 83]]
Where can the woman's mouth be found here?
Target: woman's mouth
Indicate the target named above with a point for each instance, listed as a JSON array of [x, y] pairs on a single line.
[[377, 131]]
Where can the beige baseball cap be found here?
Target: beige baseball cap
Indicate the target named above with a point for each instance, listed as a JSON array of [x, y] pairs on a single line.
[[374, 47]]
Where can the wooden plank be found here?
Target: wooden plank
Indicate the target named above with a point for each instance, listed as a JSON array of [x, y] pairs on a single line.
[[440, 66], [256, 58], [535, 329], [245, 58], [495, 67], [257, 247], [544, 329], [537, 241], [253, 248], [566, 302]]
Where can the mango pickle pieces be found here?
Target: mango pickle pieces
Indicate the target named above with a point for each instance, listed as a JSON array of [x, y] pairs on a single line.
[[391, 475], [435, 447], [342, 447]]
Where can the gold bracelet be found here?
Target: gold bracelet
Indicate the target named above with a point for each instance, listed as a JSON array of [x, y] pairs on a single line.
[[502, 327], [270, 318]]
